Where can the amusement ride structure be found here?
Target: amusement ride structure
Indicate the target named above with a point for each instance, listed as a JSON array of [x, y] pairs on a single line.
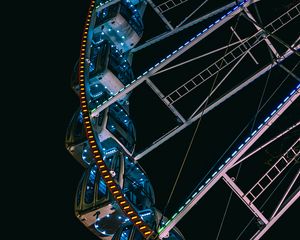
[[115, 198]]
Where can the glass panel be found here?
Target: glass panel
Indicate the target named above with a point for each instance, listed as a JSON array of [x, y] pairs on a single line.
[[107, 13], [120, 67], [125, 234], [76, 133], [101, 189], [121, 126], [99, 57], [132, 16], [100, 98], [137, 186], [89, 192], [117, 166], [79, 190]]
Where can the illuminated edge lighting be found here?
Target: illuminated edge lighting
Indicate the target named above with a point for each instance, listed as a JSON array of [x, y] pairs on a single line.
[[265, 122], [175, 51], [114, 188]]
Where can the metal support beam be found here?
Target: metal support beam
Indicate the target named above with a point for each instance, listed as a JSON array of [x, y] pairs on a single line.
[[261, 232], [244, 199], [285, 194], [278, 167], [178, 129], [160, 14], [219, 84], [198, 57], [161, 96], [169, 4], [179, 29], [238, 37], [266, 144], [236, 155], [289, 72], [191, 14], [268, 42], [229, 58], [171, 57]]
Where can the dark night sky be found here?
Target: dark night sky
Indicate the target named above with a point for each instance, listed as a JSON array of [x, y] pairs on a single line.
[[61, 173]]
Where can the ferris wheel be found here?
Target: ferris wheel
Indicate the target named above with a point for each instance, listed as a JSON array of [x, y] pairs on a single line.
[[229, 70]]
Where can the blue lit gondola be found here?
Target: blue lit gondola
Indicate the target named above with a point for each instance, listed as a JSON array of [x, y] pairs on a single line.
[[121, 23], [109, 69], [115, 131], [94, 205], [116, 29]]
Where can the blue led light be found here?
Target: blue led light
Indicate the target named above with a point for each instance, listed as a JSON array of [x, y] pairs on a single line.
[[273, 112], [252, 134], [210, 25], [180, 208], [187, 201], [200, 188], [292, 92], [214, 174], [233, 153], [169, 56], [205, 30], [279, 106], [298, 86], [285, 99], [192, 39], [207, 181], [194, 194], [266, 119], [227, 160], [259, 127], [221, 167], [240, 146]]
